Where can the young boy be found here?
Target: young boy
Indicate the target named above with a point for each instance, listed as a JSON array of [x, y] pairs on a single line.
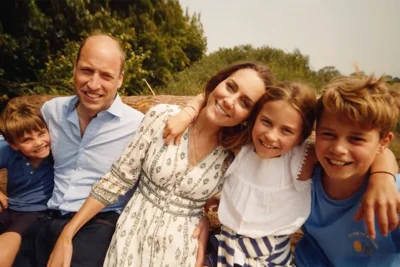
[[25, 153], [354, 124]]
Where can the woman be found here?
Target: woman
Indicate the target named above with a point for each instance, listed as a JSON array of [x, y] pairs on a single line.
[[175, 181]]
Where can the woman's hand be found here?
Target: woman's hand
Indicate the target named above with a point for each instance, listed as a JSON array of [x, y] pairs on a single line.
[[201, 233], [176, 126], [383, 199], [62, 253]]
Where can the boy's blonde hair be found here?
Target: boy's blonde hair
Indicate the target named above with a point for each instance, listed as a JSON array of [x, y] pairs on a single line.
[[18, 118], [364, 100]]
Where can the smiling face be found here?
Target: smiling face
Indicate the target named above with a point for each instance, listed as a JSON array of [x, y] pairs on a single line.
[[232, 100], [277, 129], [345, 150], [97, 75], [34, 145]]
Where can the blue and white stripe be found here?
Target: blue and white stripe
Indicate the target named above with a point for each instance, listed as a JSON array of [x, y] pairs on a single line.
[[265, 251]]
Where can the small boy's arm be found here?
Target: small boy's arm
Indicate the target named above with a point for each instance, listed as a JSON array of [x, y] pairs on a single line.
[[308, 166], [3, 201], [177, 124], [382, 196]]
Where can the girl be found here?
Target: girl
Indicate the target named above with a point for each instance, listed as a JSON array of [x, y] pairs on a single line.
[[259, 213]]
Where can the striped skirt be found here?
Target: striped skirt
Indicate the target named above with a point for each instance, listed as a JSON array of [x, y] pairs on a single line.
[[266, 251]]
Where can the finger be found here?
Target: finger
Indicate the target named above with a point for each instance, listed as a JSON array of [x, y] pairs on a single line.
[[369, 220], [196, 231], [168, 139], [360, 213], [383, 219], [178, 139], [393, 217]]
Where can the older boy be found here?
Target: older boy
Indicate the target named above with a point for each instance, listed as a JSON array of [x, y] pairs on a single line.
[[25, 153], [354, 124]]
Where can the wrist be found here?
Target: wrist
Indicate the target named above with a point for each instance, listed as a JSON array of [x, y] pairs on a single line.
[[383, 173]]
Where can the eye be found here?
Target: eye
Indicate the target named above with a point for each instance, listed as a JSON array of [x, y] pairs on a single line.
[[266, 122], [86, 71], [230, 87], [357, 139], [288, 131], [42, 133], [245, 104], [326, 134], [107, 77]]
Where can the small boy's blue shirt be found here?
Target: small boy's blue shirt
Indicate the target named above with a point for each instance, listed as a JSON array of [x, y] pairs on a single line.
[[333, 238], [28, 189]]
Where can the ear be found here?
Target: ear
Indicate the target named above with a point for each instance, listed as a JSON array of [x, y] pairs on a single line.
[[74, 69], [120, 79], [13, 146], [384, 142]]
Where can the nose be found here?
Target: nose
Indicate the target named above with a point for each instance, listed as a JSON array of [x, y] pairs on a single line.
[[94, 82], [38, 142], [271, 135], [339, 147], [229, 101]]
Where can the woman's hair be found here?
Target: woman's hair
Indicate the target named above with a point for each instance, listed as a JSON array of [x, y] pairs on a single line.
[[300, 96], [18, 118], [364, 100], [230, 137]]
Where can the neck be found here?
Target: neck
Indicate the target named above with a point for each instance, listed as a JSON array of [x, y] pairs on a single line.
[[84, 119], [84, 114], [338, 189], [34, 162], [202, 126]]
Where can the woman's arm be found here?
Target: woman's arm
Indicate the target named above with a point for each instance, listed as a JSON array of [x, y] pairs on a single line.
[[177, 124], [121, 177], [62, 251], [382, 196]]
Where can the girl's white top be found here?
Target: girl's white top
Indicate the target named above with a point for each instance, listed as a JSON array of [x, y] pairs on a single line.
[[263, 197]]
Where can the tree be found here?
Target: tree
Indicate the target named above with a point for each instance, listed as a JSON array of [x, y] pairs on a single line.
[[39, 42]]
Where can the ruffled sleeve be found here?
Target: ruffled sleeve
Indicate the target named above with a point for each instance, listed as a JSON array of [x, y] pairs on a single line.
[[125, 172], [298, 158]]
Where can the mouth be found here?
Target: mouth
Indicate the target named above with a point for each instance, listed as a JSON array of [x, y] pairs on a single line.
[[92, 95], [268, 146], [338, 163], [220, 110], [40, 150]]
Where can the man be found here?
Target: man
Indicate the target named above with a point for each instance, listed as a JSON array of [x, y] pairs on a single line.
[[89, 131]]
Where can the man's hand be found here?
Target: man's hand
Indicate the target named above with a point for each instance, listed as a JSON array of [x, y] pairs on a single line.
[[383, 199], [3, 202], [201, 233]]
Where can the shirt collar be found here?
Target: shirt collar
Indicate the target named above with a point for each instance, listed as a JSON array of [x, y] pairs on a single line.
[[116, 108]]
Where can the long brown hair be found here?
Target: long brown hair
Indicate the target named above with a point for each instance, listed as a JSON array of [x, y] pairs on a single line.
[[232, 137]]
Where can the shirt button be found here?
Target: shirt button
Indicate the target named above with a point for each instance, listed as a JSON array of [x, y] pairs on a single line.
[[27, 164], [31, 172]]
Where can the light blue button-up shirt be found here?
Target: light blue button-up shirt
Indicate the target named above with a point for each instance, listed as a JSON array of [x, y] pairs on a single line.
[[81, 161]]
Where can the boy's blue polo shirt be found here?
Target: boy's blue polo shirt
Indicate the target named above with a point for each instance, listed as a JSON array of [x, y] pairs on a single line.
[[28, 189], [333, 238]]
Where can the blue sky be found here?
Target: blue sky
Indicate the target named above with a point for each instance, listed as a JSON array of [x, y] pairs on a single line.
[[331, 32]]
